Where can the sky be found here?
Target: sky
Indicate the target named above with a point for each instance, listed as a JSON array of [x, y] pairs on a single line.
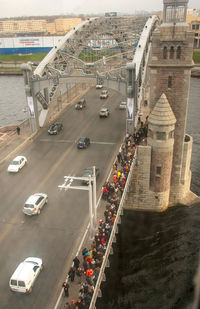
[[15, 8]]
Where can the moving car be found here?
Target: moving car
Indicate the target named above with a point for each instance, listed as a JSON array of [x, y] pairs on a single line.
[[104, 94], [89, 172], [34, 204], [25, 275], [104, 112], [99, 86], [55, 128], [122, 105], [80, 104], [83, 143], [17, 164]]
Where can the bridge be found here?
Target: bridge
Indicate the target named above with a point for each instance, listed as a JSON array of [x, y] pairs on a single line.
[[115, 52], [97, 51]]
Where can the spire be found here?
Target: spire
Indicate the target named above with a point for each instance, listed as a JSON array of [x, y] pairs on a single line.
[[162, 114], [174, 11]]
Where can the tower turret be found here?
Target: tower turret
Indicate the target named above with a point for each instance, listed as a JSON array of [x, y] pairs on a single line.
[[161, 139]]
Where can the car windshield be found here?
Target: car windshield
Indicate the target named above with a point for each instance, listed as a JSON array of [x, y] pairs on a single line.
[[81, 141], [104, 92], [28, 206], [103, 110], [14, 162]]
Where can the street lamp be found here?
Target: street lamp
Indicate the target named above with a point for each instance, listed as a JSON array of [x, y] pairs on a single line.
[[92, 195]]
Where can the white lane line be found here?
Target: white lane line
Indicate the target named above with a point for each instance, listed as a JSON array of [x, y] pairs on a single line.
[[56, 141], [69, 141]]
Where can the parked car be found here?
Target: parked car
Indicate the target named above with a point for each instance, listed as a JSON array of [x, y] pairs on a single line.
[[99, 86], [25, 275], [89, 172], [83, 142], [104, 112], [55, 128], [122, 105], [17, 164], [104, 94], [80, 104], [34, 204]]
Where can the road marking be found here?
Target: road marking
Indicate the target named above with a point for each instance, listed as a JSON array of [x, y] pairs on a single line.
[[69, 141], [56, 141], [102, 143]]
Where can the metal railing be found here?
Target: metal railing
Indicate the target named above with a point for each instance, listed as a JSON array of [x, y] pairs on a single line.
[[112, 236]]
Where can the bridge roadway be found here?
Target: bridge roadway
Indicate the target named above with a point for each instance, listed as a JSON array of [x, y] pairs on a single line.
[[55, 234]]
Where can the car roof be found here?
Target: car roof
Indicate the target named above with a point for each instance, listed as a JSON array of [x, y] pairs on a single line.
[[32, 198], [104, 109], [22, 270], [82, 138]]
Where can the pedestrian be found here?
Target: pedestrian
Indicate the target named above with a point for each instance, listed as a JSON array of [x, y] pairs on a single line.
[[79, 274], [18, 130], [71, 274], [66, 288], [67, 306], [76, 262]]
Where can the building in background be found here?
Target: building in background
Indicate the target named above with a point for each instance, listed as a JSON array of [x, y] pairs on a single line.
[[193, 20]]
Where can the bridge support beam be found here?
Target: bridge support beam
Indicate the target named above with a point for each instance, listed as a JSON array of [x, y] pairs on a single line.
[[131, 98]]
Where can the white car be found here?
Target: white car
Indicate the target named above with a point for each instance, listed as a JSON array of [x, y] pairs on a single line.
[[34, 204], [99, 86], [17, 164], [25, 275], [104, 94], [122, 105]]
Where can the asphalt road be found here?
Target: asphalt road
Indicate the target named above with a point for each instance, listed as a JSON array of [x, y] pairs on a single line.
[[55, 234]]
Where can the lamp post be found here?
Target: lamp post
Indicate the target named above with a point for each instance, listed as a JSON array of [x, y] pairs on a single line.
[[92, 195]]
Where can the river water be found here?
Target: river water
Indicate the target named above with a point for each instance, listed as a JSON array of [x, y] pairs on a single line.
[[156, 254]]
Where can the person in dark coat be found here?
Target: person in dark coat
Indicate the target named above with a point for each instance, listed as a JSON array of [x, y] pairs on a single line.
[[71, 274], [76, 262], [66, 288]]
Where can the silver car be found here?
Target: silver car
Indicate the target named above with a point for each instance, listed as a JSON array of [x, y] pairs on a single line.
[[34, 204], [104, 94]]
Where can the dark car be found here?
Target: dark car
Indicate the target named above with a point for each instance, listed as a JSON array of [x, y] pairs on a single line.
[[83, 142], [80, 104], [89, 172], [55, 128]]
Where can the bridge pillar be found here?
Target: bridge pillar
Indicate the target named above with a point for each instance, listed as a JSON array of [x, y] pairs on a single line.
[[131, 98], [30, 97]]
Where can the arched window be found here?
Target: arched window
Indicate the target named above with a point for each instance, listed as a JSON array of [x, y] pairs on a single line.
[[169, 81], [165, 52], [171, 54], [178, 53]]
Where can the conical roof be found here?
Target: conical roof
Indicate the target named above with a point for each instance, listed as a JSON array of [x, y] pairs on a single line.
[[162, 113]]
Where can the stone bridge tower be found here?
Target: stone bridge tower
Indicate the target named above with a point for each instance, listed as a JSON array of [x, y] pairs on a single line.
[[170, 70]]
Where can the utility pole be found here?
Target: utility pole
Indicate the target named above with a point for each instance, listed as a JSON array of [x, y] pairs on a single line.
[[91, 188]]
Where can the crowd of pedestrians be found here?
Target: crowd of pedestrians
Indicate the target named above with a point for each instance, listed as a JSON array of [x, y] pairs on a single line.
[[87, 270]]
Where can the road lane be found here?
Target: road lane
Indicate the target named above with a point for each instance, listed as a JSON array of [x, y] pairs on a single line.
[[54, 234]]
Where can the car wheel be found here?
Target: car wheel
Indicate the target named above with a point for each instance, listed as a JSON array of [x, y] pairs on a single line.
[[42, 266], [46, 201], [30, 290]]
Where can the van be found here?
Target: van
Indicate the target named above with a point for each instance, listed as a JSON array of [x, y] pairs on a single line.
[[25, 275]]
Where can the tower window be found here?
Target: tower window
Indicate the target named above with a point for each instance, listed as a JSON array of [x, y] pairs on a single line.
[[193, 27], [169, 81], [178, 54], [161, 136], [158, 170], [165, 52], [171, 52]]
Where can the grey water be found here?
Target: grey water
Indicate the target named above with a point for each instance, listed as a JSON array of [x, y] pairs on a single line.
[[156, 255], [13, 107]]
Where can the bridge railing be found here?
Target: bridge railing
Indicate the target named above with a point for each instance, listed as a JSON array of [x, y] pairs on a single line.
[[112, 239]]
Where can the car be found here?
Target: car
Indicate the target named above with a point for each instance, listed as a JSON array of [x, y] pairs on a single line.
[[89, 172], [104, 94], [99, 86], [34, 204], [25, 275], [122, 105], [80, 104], [83, 143], [17, 164], [55, 128], [104, 112]]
